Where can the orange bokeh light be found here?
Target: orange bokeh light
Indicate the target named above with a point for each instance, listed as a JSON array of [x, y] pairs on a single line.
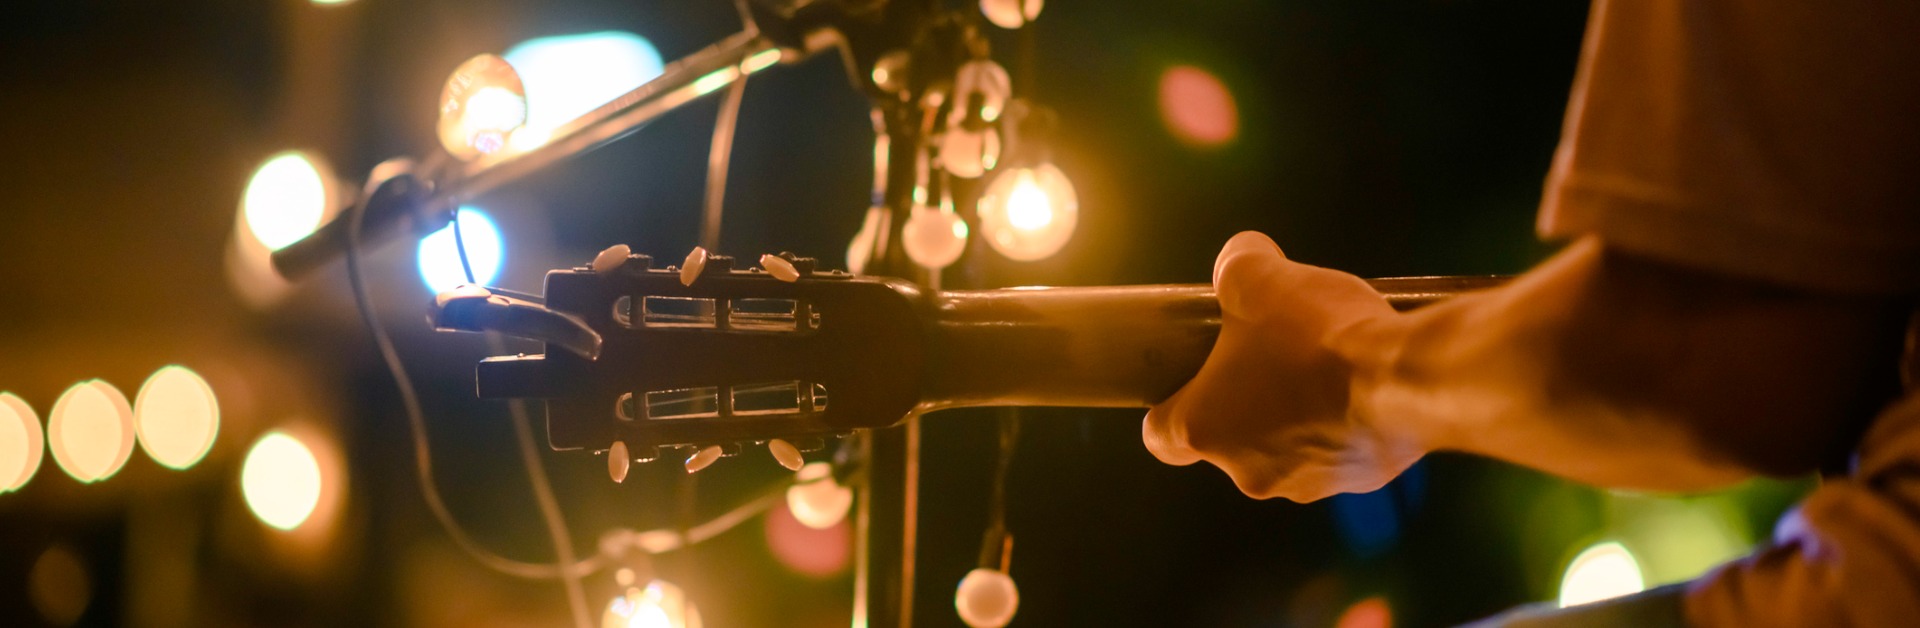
[[1372, 612], [1197, 107]]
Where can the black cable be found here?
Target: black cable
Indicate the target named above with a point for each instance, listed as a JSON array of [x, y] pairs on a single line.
[[416, 421]]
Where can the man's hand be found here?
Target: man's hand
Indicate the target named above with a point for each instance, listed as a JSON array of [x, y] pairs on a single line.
[[1271, 405]]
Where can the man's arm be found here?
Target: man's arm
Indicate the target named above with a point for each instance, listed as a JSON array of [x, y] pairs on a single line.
[[1597, 366]]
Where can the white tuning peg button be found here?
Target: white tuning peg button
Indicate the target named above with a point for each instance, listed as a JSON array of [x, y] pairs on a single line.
[[780, 268], [703, 458], [986, 598], [786, 454], [611, 258], [696, 263], [617, 461]]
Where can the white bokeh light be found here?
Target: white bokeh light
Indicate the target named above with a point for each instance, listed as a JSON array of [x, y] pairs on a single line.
[[815, 499], [661, 604], [439, 255], [90, 431], [21, 442], [176, 417], [281, 480], [286, 199], [1601, 572]]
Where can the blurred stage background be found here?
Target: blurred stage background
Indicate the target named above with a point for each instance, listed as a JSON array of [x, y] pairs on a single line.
[[1389, 137]]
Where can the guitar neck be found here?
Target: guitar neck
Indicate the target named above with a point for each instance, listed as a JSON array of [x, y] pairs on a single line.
[[1113, 346]]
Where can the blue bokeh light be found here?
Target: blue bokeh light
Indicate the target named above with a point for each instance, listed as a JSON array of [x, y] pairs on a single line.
[[439, 256], [569, 75]]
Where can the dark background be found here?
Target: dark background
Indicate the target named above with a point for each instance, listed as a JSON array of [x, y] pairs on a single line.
[[1385, 137]]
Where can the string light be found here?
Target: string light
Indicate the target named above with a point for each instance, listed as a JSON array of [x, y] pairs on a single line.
[[1604, 571], [1028, 213], [21, 442], [660, 605], [281, 480], [176, 417], [934, 238], [1197, 107], [439, 254], [816, 499], [483, 102], [286, 199], [1011, 14], [90, 431], [986, 598]]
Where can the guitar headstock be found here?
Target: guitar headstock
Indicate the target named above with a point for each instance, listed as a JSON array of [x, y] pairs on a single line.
[[708, 354]]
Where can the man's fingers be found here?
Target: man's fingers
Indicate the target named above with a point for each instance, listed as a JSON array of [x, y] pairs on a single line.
[[1164, 438], [1250, 260]]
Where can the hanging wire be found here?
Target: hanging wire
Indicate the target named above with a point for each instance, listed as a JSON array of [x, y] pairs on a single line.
[[416, 422], [536, 472], [994, 545]]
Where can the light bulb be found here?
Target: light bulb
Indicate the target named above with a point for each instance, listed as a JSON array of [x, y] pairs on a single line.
[[816, 499], [660, 605], [176, 417], [482, 103], [934, 238], [1011, 14], [21, 442], [1027, 214], [969, 154], [90, 431], [286, 199], [1601, 572], [986, 598]]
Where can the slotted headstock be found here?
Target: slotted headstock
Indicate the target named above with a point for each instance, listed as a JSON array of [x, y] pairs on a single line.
[[726, 356]]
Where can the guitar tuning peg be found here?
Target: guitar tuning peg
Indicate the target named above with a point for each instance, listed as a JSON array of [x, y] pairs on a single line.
[[806, 265], [703, 458], [786, 454], [780, 268], [695, 265], [617, 461], [611, 258], [807, 444]]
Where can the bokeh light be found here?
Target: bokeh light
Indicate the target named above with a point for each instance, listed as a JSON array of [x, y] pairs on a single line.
[[1028, 214], [59, 586], [1601, 572], [1011, 14], [808, 551], [483, 102], [21, 442], [176, 416], [1197, 107], [934, 238], [569, 75], [439, 254], [1371, 612], [816, 499], [281, 480], [286, 199], [660, 605], [986, 598], [90, 431]]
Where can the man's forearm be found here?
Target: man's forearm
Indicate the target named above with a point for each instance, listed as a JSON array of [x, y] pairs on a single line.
[[1624, 372]]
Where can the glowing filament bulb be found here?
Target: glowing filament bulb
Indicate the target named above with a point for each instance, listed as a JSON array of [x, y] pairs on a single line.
[[481, 105], [986, 598], [660, 605], [1028, 214]]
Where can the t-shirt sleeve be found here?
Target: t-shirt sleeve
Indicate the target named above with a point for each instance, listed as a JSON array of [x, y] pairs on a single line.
[[1777, 140]]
